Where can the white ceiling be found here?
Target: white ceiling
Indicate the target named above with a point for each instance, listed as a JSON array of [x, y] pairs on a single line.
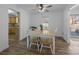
[[12, 12], [32, 7], [76, 8]]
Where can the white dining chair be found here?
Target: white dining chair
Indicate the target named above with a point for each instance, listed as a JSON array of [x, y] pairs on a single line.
[[46, 42], [34, 39]]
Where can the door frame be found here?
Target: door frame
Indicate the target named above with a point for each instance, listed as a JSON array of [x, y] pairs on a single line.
[[18, 21], [68, 17]]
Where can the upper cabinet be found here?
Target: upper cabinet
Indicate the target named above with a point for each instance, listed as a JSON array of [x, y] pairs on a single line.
[[13, 19]]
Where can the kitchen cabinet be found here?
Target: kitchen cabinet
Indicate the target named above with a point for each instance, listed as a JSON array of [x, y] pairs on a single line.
[[12, 19], [12, 30]]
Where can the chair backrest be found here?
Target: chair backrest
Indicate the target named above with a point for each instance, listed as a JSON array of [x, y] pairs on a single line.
[[33, 35], [47, 39], [54, 31]]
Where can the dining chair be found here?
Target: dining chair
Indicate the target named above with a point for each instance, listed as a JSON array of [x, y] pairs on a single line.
[[34, 39], [46, 42]]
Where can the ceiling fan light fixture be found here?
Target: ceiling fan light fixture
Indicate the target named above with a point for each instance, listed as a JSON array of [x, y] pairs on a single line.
[[42, 10], [43, 7]]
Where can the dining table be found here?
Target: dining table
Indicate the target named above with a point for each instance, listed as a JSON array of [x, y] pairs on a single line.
[[40, 33]]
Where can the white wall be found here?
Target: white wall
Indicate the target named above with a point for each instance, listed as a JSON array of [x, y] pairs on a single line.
[[74, 11], [66, 25], [54, 20], [24, 24], [3, 27], [24, 20], [66, 28]]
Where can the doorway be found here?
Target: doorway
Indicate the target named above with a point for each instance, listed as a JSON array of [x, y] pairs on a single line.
[[74, 25], [14, 26]]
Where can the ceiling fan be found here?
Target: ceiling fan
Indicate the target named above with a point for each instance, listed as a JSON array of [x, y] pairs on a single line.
[[43, 7]]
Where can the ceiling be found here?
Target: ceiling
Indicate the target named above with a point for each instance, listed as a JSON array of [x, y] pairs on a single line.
[[12, 12], [33, 7], [76, 8]]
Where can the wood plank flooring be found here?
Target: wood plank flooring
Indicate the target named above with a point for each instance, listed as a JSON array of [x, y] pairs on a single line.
[[61, 48]]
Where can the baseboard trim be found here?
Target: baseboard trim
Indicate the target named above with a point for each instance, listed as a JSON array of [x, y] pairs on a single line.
[[61, 38], [24, 38], [66, 40]]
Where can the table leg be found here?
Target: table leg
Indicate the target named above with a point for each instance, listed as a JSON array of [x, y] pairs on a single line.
[[54, 45], [27, 41]]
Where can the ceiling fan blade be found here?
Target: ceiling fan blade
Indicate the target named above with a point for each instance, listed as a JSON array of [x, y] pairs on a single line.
[[41, 6], [47, 10], [49, 6]]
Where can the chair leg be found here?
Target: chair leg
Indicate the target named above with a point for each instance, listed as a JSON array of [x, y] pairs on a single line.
[[38, 46], [51, 49], [41, 48], [30, 45]]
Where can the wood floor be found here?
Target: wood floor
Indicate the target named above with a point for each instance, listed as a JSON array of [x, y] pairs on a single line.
[[61, 48], [19, 48]]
